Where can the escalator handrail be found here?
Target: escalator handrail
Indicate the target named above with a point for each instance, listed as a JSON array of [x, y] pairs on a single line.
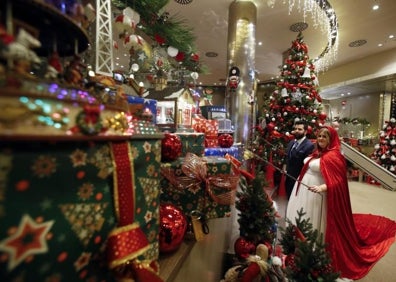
[[382, 175]]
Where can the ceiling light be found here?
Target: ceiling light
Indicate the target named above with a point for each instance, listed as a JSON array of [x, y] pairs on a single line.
[[391, 36], [357, 43], [325, 19], [183, 2], [375, 7], [211, 54], [298, 27]]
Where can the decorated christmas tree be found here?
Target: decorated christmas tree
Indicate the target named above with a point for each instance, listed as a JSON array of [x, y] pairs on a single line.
[[306, 255], [257, 222], [385, 150], [254, 258], [296, 96]]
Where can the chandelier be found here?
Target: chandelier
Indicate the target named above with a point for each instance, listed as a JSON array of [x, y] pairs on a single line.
[[323, 17]]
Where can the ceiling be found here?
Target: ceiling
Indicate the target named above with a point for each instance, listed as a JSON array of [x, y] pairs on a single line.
[[356, 21]]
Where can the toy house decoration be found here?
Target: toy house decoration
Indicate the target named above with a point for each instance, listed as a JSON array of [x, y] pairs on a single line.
[[176, 109]]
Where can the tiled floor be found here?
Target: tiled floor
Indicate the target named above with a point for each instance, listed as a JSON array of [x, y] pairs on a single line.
[[367, 198], [205, 260]]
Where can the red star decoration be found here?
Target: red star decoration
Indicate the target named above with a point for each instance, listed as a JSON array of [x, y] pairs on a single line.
[[28, 240]]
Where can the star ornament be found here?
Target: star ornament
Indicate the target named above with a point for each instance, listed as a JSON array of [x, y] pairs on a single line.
[[28, 240]]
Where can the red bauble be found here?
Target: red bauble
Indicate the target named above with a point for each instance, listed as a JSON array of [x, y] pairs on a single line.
[[309, 130], [243, 247], [322, 116], [171, 147], [271, 126], [173, 226], [225, 140]]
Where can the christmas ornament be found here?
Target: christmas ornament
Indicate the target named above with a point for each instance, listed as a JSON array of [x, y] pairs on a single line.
[[226, 140], [233, 78], [172, 51], [89, 121], [243, 247], [322, 116], [171, 147], [173, 226]]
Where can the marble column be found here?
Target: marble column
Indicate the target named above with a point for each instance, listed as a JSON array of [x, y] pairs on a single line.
[[240, 102]]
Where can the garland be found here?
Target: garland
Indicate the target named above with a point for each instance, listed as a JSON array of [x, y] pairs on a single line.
[[355, 121], [165, 29]]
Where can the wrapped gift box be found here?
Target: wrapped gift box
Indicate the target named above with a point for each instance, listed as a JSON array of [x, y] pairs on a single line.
[[221, 152], [58, 207], [205, 184], [192, 143]]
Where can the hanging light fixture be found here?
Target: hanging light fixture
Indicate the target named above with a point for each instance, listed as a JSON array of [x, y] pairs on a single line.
[[183, 2], [324, 18]]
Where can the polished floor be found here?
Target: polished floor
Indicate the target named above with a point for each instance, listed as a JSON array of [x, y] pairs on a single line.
[[368, 198], [205, 260]]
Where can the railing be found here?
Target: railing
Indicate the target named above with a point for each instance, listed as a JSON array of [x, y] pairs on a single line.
[[383, 176]]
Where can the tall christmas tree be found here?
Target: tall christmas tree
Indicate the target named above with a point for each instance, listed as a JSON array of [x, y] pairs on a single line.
[[385, 150], [296, 97], [306, 255]]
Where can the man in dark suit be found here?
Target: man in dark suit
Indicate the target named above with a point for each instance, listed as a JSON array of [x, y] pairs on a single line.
[[297, 150]]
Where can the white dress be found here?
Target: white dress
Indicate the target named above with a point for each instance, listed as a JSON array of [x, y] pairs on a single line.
[[313, 204]]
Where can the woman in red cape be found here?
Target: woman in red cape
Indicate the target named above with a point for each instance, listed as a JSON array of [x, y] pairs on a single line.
[[355, 242]]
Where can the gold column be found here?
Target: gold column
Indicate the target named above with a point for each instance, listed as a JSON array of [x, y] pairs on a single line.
[[241, 54]]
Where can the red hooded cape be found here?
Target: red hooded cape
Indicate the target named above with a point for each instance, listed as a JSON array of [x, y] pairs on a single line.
[[355, 241]]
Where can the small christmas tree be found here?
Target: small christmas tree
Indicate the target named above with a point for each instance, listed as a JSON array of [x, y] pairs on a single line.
[[306, 255], [385, 150], [256, 220], [296, 97]]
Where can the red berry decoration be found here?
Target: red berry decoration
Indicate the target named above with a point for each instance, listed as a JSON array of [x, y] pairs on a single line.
[[173, 226], [226, 140], [171, 147]]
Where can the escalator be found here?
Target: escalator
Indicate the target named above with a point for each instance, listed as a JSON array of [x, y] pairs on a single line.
[[383, 176]]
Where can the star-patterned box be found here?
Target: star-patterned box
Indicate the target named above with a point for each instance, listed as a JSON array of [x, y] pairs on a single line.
[[58, 204], [193, 142]]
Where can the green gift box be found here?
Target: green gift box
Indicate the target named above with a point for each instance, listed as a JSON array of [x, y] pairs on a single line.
[[199, 193], [192, 143], [57, 207]]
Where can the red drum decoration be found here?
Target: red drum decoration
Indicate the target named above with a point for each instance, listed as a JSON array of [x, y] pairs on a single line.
[[226, 140]]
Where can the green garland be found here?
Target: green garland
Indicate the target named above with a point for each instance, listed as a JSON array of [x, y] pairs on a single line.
[[155, 21], [362, 121]]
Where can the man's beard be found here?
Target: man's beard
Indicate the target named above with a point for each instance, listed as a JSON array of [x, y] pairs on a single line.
[[298, 136]]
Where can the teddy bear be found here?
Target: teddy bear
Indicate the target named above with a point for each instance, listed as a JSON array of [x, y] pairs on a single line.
[[257, 268], [253, 269]]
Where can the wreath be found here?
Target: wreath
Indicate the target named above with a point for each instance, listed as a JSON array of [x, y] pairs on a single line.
[[89, 121]]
